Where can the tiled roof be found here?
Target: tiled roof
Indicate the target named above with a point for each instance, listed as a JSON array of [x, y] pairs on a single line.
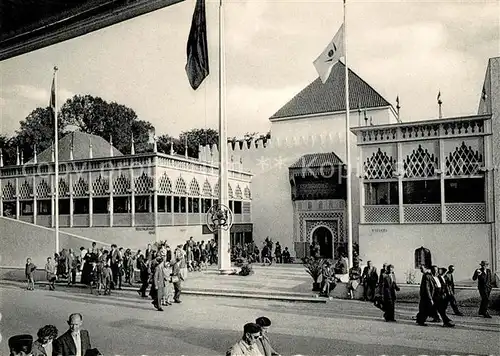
[[316, 160], [319, 98], [100, 148]]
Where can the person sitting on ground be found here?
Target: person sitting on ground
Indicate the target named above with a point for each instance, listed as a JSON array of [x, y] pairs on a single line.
[[286, 255], [264, 344], [43, 345], [328, 279]]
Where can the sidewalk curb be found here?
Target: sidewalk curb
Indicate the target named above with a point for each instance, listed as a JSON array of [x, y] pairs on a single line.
[[208, 293]]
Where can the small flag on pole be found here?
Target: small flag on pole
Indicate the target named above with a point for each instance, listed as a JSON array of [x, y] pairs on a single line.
[[52, 100], [330, 56], [197, 48], [439, 98]]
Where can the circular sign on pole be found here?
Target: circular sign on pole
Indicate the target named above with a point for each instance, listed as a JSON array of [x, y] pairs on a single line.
[[219, 216]]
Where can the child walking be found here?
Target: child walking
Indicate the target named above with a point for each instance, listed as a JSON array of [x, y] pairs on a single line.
[[30, 274]]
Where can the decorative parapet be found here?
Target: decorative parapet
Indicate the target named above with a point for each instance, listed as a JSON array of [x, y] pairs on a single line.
[[139, 161], [477, 125]]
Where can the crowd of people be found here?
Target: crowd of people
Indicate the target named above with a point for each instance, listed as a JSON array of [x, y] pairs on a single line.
[[250, 252], [437, 288], [77, 342], [74, 342]]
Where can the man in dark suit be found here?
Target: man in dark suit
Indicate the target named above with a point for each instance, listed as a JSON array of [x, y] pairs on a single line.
[[370, 280], [75, 341], [426, 305], [389, 288], [483, 277], [450, 283], [432, 298]]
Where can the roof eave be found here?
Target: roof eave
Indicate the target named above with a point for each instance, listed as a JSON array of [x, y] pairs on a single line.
[[306, 116]]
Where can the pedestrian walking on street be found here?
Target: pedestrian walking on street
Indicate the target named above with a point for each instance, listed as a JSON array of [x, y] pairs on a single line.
[[177, 278], [29, 272], [247, 346], [144, 274], [389, 289], [161, 278], [483, 277], [50, 269], [264, 344], [370, 280], [450, 283]]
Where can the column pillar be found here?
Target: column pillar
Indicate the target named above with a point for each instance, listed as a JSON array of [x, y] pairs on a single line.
[[1, 186], [71, 202], [52, 201], [34, 201], [400, 174], [17, 198], [132, 198], [155, 197], [442, 174], [111, 194], [91, 201]]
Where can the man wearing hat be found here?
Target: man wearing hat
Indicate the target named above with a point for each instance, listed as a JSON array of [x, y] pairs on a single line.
[[20, 345], [263, 343], [483, 277], [247, 346]]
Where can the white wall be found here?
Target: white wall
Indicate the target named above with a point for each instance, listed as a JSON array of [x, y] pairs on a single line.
[[314, 125], [462, 245], [138, 237]]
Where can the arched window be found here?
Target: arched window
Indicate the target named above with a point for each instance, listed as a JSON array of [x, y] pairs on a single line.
[[423, 257]]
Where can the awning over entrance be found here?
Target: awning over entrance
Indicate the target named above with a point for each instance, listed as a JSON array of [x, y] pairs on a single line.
[[316, 165], [234, 228]]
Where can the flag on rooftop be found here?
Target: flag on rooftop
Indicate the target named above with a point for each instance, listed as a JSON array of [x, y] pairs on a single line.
[[330, 55], [197, 68]]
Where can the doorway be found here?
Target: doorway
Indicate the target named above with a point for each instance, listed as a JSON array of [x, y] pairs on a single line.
[[324, 237]]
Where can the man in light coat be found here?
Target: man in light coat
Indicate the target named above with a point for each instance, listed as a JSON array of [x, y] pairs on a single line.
[[161, 278], [247, 346]]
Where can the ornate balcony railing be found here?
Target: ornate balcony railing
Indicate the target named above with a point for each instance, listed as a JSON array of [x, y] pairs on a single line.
[[144, 160], [381, 213], [430, 129], [465, 212], [426, 213]]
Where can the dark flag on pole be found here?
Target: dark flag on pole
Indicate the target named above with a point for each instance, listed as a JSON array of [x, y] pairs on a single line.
[[197, 47], [52, 101]]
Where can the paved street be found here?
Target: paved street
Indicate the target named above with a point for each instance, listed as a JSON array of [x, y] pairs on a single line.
[[123, 324]]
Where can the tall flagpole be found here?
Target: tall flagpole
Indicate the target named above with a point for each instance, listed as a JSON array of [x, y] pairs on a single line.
[[56, 155], [348, 149], [224, 235]]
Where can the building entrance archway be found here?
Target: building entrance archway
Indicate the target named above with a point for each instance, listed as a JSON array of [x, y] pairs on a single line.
[[324, 236]]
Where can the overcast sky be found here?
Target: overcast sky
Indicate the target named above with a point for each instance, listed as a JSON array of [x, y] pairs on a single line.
[[406, 48]]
